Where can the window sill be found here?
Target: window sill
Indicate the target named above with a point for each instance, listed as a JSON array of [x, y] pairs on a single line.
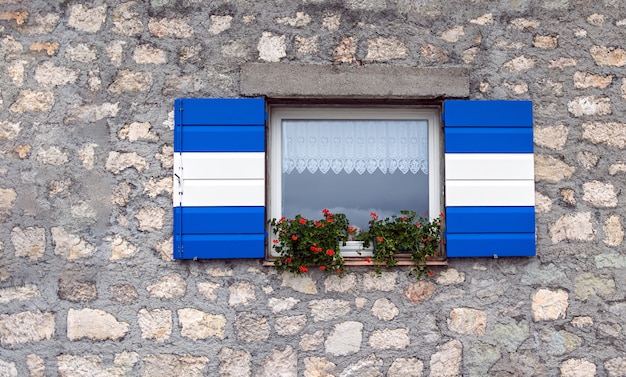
[[403, 260]]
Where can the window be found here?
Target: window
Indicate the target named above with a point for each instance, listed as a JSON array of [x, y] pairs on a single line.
[[354, 161], [221, 193]]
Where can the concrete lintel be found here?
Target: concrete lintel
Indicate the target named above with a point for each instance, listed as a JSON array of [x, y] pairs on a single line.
[[283, 80]]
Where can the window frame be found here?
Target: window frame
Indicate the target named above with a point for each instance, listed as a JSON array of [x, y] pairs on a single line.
[[277, 113]]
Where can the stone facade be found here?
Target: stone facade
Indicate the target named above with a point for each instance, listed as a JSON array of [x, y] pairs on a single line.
[[87, 282]]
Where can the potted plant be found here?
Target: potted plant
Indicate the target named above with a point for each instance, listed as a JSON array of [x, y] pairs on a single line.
[[303, 243], [404, 234]]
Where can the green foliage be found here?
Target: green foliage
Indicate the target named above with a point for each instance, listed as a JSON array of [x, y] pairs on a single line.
[[407, 233], [302, 243]]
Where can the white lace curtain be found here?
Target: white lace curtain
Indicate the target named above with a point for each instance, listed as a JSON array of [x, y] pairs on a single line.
[[355, 145]]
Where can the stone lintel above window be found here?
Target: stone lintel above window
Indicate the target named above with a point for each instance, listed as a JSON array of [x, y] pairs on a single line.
[[281, 80]]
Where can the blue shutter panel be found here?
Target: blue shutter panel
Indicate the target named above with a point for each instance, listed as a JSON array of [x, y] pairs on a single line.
[[498, 223], [219, 178]]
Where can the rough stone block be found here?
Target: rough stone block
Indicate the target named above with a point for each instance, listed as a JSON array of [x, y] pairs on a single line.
[[168, 286], [345, 339], [94, 324], [26, 327], [85, 19], [155, 324]]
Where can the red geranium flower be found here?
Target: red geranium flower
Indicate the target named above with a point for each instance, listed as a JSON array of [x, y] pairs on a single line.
[[325, 212], [441, 214], [275, 241], [330, 219], [302, 221], [288, 260], [330, 253], [317, 223], [323, 268], [368, 260], [351, 229], [431, 272], [379, 239], [294, 237], [303, 269]]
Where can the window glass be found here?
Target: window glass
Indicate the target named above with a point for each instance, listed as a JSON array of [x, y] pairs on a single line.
[[354, 167]]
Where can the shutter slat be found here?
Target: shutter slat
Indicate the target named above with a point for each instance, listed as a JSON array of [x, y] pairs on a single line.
[[223, 139], [499, 114], [487, 166], [490, 193], [221, 220], [223, 165], [488, 140], [490, 219], [490, 245], [221, 246]]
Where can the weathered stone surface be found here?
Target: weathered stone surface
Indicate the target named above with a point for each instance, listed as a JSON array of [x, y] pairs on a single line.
[[616, 367], [385, 49], [168, 286], [207, 289], [76, 289], [115, 51], [480, 358], [299, 283], [69, 245], [485, 19], [318, 367], [122, 249], [281, 363], [170, 27], [589, 106], [551, 169], [345, 338], [600, 194], [81, 52], [434, 54], [91, 113], [166, 156], [23, 293], [123, 293], [36, 366], [196, 324], [137, 131], [547, 275], [545, 41], [366, 367], [331, 21], [251, 327], [278, 305], [271, 47], [311, 342], [87, 155], [219, 272], [74, 365], [608, 56], [367, 5], [384, 309], [29, 242], [453, 35], [549, 305], [125, 20], [290, 325], [553, 137], [610, 260], [241, 294], [446, 362], [402, 367], [234, 363], [328, 309], [131, 81], [26, 327], [117, 162], [575, 227], [568, 196], [511, 333], [155, 324], [344, 284], [577, 368], [468, 321], [612, 134], [48, 74], [418, 292], [29, 100], [520, 64], [85, 19], [50, 48], [9, 130], [7, 369], [121, 193], [300, 20], [94, 324], [385, 282], [387, 339], [587, 285], [345, 52], [52, 155], [164, 365], [150, 218], [147, 54], [7, 201], [450, 276], [583, 80]]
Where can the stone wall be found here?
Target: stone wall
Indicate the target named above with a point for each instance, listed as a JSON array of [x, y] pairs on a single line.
[[87, 284]]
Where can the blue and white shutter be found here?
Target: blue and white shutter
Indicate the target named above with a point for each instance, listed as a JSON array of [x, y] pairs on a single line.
[[489, 178], [219, 178]]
